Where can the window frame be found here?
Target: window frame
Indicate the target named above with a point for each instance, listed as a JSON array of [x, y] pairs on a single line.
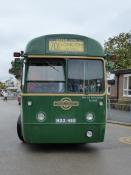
[[84, 79], [34, 62], [127, 85], [39, 63]]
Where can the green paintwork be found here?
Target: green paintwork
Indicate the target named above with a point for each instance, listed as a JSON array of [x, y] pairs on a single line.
[[51, 132], [39, 46]]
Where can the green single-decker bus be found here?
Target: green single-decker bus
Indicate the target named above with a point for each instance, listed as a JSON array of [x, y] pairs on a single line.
[[63, 98]]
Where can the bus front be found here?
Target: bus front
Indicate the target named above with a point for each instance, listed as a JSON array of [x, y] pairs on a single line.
[[63, 99]]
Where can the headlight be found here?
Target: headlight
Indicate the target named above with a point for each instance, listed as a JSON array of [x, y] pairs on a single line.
[[89, 134], [41, 117], [89, 117]]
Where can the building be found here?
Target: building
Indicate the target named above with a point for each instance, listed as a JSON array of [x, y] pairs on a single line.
[[121, 87]]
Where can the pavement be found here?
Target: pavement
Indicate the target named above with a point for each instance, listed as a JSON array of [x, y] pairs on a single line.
[[119, 117]]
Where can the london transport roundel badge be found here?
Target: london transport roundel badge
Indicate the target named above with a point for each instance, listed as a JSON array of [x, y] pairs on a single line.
[[65, 103]]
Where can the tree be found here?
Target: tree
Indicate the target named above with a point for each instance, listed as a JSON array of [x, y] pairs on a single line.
[[118, 46], [2, 85], [15, 71]]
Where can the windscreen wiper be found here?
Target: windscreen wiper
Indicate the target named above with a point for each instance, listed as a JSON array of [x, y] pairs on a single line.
[[52, 66]]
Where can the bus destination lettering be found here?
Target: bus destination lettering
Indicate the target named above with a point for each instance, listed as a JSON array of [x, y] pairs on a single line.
[[66, 45], [66, 103]]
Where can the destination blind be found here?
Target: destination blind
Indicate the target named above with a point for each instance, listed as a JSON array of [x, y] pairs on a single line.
[[66, 45]]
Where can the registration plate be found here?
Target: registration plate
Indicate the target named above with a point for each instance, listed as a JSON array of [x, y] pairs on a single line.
[[65, 120]]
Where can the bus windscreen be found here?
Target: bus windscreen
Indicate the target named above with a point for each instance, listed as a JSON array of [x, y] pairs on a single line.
[[83, 76]]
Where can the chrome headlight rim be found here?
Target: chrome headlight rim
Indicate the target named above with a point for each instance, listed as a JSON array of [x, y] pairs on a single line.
[[90, 116], [41, 116], [89, 133]]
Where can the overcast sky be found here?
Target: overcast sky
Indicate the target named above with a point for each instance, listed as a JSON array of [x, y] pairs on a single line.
[[20, 21]]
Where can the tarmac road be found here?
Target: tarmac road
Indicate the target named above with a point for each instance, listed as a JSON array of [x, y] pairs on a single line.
[[112, 157]]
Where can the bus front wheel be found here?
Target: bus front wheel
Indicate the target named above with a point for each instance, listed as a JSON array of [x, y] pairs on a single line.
[[19, 130]]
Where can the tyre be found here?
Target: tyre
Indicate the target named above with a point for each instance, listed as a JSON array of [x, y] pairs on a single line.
[[19, 130]]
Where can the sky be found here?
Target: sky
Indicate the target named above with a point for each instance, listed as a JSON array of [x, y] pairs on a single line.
[[21, 21]]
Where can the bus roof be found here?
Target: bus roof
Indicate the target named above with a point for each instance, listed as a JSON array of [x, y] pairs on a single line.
[[64, 44]]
